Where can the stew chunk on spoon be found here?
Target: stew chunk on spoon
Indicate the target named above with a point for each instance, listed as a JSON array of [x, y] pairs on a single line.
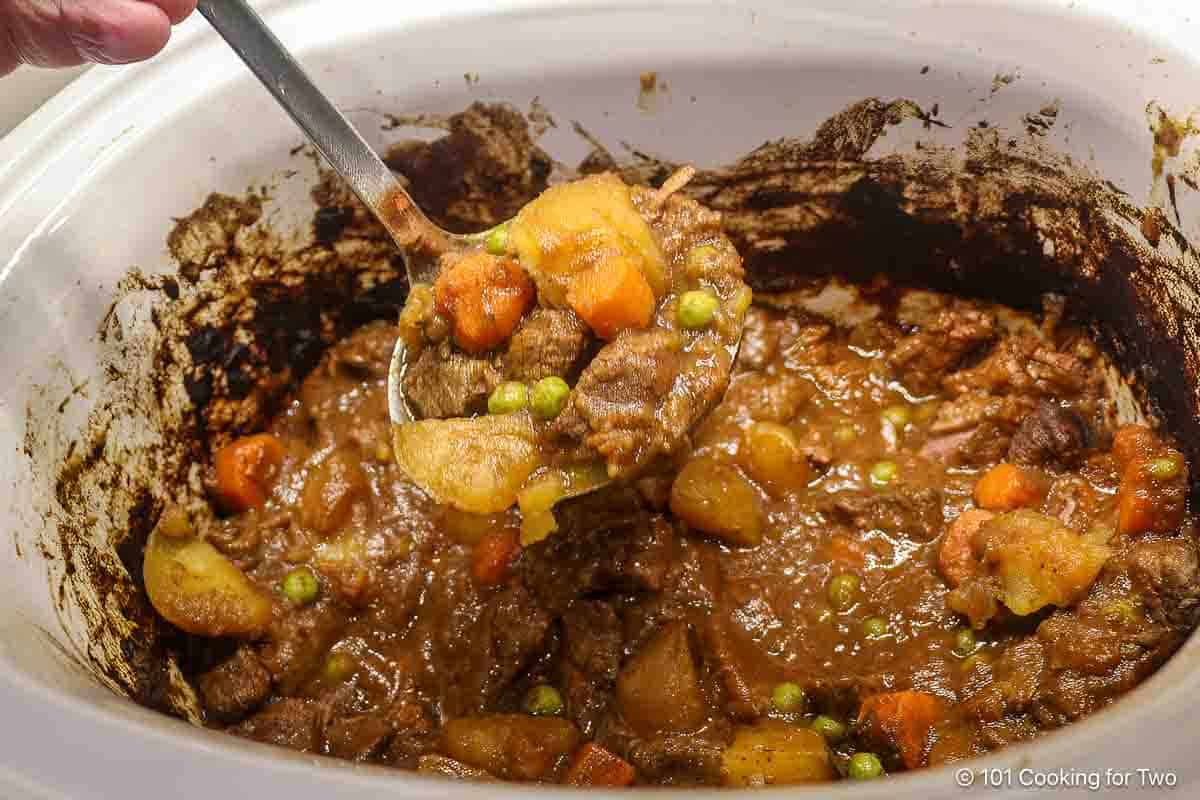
[[579, 342]]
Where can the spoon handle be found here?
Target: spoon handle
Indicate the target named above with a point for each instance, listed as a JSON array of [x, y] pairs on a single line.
[[332, 134]]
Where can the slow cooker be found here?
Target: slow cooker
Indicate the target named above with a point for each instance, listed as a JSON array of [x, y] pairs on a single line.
[[89, 186]]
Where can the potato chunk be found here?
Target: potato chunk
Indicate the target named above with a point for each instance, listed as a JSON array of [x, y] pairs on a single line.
[[715, 498], [512, 746], [659, 691], [198, 590], [774, 753], [1038, 561], [771, 453], [574, 227], [476, 465]]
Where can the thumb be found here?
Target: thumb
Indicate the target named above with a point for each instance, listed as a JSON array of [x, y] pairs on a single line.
[[60, 33]]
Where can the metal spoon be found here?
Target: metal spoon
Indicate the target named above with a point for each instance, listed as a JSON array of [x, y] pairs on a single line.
[[420, 241]]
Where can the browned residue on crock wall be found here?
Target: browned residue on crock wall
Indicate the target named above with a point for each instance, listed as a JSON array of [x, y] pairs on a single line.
[[1170, 134], [648, 88], [220, 345]]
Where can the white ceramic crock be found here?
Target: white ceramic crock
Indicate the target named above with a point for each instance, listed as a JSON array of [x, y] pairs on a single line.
[[89, 185]]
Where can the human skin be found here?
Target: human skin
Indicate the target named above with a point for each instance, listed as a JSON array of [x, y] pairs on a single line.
[[64, 33]]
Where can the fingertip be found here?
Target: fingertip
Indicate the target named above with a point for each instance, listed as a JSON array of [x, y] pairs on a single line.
[[117, 31], [176, 10]]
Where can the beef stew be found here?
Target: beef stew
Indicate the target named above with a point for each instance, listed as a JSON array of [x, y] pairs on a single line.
[[895, 543]]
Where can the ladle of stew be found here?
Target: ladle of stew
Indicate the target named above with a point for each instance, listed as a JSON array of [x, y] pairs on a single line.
[[643, 281]]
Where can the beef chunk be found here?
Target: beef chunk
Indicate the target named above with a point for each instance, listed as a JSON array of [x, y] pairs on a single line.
[[606, 541], [614, 403], [416, 735], [982, 445], [443, 382], [680, 758], [1014, 686], [764, 336], [368, 353], [913, 511], [507, 635], [947, 330], [768, 397], [235, 687], [359, 737], [549, 342], [1052, 435], [1073, 644], [402, 732], [291, 722], [640, 396], [297, 643], [591, 656], [1167, 573], [736, 659], [1023, 364], [458, 178], [975, 429]]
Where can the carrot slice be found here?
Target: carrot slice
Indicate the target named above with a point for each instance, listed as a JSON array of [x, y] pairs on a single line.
[[244, 471], [902, 720], [1132, 443], [956, 556], [612, 296], [492, 556], [595, 766], [1148, 505], [1145, 502], [1007, 487], [1135, 506], [485, 297]]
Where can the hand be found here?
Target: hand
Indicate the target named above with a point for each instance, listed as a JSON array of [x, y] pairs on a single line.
[[63, 33]]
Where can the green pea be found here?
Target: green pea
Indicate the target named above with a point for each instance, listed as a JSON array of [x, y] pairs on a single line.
[[875, 627], [864, 767], [543, 701], [833, 730], [843, 591], [788, 697], [508, 397], [898, 415], [884, 472], [301, 586], [697, 308], [548, 397], [339, 666], [497, 240], [964, 642], [1164, 469]]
